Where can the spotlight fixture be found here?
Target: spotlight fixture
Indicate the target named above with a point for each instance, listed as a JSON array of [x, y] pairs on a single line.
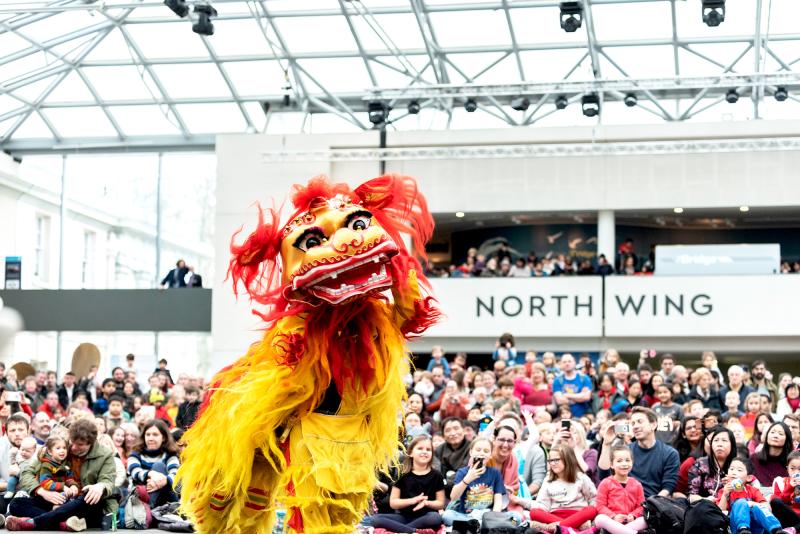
[[459, 214], [571, 16], [781, 94], [732, 96], [203, 26], [470, 105], [713, 12], [630, 100], [744, 209], [590, 104], [265, 107], [561, 102], [178, 7], [378, 112], [520, 103], [414, 107], [677, 210]]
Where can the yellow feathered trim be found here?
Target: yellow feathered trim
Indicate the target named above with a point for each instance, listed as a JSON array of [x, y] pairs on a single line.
[[235, 446]]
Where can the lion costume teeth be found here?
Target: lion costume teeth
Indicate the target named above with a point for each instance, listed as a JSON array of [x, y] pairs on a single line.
[[308, 418]]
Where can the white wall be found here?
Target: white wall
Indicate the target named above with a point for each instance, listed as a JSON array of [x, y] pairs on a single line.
[[549, 184]]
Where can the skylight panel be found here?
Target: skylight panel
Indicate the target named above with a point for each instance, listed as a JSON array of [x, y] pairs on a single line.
[[541, 25], [194, 80], [212, 118], [80, 122], [316, 34], [329, 73], [32, 91], [640, 62], [113, 47], [505, 71], [238, 38], [629, 21], [145, 120], [120, 83], [10, 43], [256, 77], [554, 65], [167, 40], [33, 128], [71, 89], [402, 31], [471, 28], [62, 24]]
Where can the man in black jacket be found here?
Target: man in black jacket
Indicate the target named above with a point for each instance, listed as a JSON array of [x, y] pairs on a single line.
[[177, 276], [68, 390], [452, 455]]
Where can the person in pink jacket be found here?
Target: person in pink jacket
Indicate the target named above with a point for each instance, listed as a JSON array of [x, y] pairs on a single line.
[[620, 497]]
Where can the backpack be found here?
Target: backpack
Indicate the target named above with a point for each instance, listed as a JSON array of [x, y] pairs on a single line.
[[705, 517], [665, 515], [166, 517], [134, 510], [500, 523]]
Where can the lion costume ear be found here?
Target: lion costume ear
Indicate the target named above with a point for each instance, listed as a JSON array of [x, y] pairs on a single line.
[[254, 263], [399, 207]]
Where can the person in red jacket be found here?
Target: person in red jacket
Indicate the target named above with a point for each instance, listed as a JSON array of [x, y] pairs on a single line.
[[785, 491], [620, 497], [741, 498], [52, 407]]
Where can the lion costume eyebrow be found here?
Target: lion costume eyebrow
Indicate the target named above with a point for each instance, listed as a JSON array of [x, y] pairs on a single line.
[[306, 232]]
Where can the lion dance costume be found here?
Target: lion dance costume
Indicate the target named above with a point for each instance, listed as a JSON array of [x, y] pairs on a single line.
[[309, 417]]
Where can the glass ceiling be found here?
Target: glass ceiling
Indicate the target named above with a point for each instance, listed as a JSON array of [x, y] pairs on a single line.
[[127, 73]]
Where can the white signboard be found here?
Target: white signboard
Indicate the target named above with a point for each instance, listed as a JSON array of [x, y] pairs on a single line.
[[708, 306], [526, 307], [672, 260]]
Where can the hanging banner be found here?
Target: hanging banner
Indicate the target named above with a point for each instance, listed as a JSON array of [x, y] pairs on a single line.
[[13, 272]]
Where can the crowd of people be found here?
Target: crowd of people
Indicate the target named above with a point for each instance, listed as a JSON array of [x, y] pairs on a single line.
[[572, 445], [506, 262], [74, 448]]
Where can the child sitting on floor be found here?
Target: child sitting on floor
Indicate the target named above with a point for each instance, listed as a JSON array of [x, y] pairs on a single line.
[[747, 515]]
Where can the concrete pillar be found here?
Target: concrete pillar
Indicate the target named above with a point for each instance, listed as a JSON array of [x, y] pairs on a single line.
[[606, 234]]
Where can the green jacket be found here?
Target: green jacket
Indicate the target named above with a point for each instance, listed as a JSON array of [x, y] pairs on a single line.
[[98, 467]]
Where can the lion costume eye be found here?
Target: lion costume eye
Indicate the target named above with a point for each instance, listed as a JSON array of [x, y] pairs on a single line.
[[359, 220], [309, 239]]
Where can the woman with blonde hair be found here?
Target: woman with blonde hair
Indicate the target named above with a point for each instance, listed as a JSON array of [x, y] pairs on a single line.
[[704, 389]]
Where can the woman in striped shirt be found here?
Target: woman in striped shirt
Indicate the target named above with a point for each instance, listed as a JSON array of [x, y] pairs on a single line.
[[154, 463]]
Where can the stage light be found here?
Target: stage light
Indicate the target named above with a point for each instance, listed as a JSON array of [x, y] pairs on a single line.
[[203, 26], [677, 210], [732, 96], [178, 7], [744, 209], [414, 107], [378, 112], [630, 100], [470, 105], [713, 12], [590, 104], [571, 16], [781, 94], [561, 102], [520, 103]]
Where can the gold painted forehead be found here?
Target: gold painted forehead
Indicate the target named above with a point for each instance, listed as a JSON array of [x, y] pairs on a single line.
[[308, 218]]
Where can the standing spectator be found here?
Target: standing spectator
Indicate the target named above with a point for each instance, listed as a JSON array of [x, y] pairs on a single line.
[[154, 463], [437, 358], [655, 464], [520, 269], [737, 385], [118, 375], [68, 391], [189, 408], [94, 466], [32, 392], [762, 383], [572, 389], [52, 407], [603, 267], [162, 370], [667, 366], [195, 280], [177, 276]]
